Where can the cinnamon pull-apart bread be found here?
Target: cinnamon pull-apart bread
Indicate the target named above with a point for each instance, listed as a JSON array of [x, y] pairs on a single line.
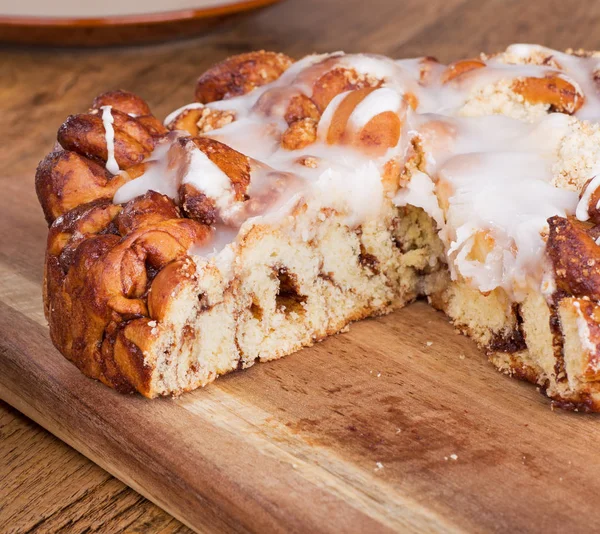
[[295, 197]]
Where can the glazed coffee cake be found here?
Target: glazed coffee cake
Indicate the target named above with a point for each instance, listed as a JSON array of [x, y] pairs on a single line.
[[293, 197]]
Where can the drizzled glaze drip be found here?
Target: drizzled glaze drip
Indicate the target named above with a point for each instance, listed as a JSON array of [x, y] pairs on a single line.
[[163, 172], [108, 121], [487, 181]]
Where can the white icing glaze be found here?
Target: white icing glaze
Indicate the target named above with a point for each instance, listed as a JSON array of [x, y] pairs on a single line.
[[172, 116], [497, 172], [219, 250], [379, 101], [486, 181], [508, 198], [109, 134], [208, 178], [327, 117], [420, 192], [162, 173], [548, 285], [359, 191], [583, 330], [224, 236], [373, 65], [582, 211]]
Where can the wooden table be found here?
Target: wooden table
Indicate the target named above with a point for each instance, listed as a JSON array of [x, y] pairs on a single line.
[[44, 484]]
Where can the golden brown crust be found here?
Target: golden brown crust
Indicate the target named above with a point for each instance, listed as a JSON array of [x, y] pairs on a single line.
[[133, 106], [66, 179], [123, 101], [575, 256], [336, 81], [234, 164], [147, 210], [101, 257], [458, 68], [589, 312], [85, 135], [515, 367], [197, 121], [84, 221], [99, 283], [197, 205], [379, 134], [75, 173], [194, 203], [163, 285], [593, 203], [553, 89], [240, 74]]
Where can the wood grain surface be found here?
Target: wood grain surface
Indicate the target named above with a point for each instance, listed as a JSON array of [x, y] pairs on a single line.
[[369, 431], [117, 29]]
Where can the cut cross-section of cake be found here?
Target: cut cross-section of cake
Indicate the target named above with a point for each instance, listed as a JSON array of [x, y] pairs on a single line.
[[293, 198]]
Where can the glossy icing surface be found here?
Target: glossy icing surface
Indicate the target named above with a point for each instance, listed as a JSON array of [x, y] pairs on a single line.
[[487, 176]]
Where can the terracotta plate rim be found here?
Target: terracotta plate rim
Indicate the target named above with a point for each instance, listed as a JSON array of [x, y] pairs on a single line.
[[126, 20]]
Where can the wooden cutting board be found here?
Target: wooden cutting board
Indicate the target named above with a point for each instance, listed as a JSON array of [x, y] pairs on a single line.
[[399, 424], [373, 430]]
